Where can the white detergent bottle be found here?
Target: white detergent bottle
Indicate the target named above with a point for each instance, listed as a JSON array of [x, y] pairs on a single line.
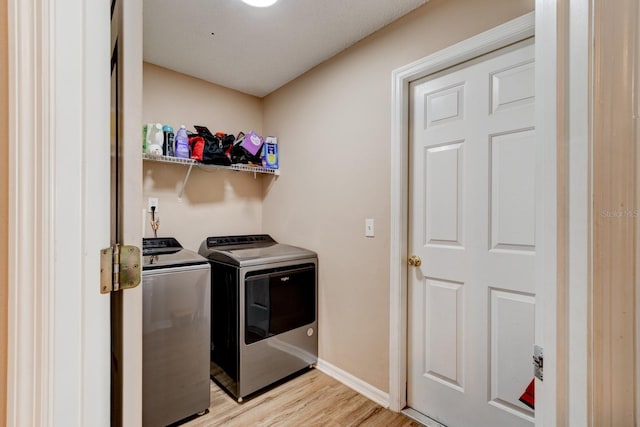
[[155, 138], [182, 143]]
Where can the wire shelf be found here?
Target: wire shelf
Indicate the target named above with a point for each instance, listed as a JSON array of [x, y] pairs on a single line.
[[235, 167]]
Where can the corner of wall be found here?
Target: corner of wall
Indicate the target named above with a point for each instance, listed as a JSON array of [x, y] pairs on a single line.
[[4, 207]]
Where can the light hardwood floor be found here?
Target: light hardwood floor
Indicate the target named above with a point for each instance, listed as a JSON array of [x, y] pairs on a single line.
[[311, 399]]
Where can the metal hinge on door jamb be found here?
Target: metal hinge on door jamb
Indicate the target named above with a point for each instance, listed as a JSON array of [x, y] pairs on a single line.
[[119, 268]]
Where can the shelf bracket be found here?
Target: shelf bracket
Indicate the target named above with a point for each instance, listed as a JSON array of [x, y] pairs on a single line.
[[184, 182]]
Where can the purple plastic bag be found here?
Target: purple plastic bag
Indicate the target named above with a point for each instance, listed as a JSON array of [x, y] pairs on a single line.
[[252, 143]]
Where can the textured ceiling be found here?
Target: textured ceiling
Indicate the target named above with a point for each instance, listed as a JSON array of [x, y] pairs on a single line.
[[257, 50]]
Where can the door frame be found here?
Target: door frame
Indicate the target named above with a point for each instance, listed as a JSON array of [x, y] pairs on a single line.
[[59, 355], [131, 43], [496, 38], [552, 21], [58, 322]]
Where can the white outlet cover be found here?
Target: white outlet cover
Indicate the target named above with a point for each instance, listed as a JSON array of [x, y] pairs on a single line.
[[153, 201]]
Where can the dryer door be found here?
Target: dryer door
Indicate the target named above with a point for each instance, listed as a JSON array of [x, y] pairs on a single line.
[[278, 301]]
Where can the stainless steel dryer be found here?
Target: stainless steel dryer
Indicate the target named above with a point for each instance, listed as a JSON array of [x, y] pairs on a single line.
[[264, 311], [176, 332]]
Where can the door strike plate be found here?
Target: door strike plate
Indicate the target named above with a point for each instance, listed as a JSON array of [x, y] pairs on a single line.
[[538, 362]]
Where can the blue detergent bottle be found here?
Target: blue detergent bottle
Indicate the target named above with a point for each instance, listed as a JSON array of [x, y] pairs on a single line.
[[182, 143]]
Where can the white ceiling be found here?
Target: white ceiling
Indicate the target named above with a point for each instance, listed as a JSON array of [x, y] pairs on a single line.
[[257, 50]]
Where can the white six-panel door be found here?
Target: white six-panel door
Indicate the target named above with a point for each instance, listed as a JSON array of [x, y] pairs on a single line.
[[472, 223]]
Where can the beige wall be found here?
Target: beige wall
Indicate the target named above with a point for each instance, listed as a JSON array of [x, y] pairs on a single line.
[[4, 207], [333, 126], [215, 202]]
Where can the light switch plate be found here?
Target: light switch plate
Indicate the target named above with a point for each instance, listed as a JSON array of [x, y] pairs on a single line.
[[369, 227]]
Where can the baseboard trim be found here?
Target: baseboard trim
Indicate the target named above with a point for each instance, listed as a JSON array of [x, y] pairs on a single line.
[[355, 383]]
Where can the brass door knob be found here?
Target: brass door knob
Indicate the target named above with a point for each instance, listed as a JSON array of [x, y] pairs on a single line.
[[415, 261]]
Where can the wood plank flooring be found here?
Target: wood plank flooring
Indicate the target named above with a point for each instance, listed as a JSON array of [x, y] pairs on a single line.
[[311, 399]]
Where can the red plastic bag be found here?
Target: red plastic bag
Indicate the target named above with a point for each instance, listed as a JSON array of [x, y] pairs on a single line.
[[196, 143]]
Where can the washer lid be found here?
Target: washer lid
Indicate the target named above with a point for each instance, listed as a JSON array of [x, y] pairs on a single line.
[[251, 250], [261, 255], [166, 252]]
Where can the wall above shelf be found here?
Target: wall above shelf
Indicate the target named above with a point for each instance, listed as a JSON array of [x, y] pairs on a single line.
[[190, 162]]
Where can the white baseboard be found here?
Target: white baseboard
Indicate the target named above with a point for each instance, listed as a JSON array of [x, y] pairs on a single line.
[[362, 387]]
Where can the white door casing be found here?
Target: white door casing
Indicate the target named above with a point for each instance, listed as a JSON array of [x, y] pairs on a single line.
[[59, 358], [59, 337], [472, 220]]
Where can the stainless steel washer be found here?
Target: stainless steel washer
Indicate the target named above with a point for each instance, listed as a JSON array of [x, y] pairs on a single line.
[[176, 332]]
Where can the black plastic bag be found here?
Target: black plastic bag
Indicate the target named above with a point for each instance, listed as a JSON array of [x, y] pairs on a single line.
[[215, 147], [240, 155]]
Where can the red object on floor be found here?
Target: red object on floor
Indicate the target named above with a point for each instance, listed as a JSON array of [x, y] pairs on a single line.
[[529, 395]]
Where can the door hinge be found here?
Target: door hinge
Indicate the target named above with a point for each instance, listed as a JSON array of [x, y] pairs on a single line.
[[538, 361], [119, 268]]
